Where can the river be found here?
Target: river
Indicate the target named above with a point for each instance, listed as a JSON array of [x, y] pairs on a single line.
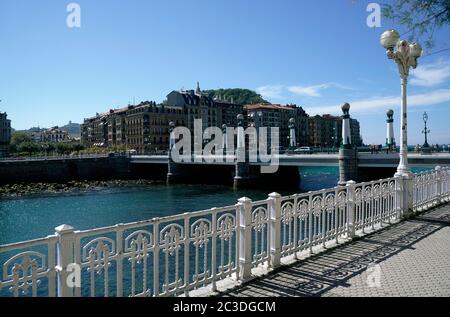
[[35, 217]]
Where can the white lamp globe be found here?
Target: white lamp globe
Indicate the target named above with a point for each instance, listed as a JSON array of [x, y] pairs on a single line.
[[389, 39], [403, 47], [415, 50]]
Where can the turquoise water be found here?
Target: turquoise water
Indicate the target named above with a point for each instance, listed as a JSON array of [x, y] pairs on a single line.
[[35, 217]]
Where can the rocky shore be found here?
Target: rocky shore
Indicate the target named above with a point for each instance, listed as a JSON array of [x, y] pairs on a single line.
[[31, 189]]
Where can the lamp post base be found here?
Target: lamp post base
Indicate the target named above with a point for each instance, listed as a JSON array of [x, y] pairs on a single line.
[[403, 171]]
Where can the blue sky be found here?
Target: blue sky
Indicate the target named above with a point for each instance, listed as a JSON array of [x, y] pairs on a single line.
[[317, 54]]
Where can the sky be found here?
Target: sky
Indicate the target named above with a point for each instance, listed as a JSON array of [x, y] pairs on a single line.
[[317, 54]]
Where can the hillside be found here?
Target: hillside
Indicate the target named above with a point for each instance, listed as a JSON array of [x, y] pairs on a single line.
[[239, 95], [72, 128]]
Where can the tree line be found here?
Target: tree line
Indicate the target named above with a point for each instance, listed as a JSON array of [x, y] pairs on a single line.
[[22, 144]]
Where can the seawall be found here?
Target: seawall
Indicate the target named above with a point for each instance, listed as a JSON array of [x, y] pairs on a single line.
[[64, 170]]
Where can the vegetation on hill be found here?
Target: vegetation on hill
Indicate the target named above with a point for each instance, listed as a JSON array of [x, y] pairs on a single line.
[[238, 95]]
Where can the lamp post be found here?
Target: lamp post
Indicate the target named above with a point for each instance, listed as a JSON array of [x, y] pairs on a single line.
[[426, 131], [292, 136], [405, 55], [390, 141]]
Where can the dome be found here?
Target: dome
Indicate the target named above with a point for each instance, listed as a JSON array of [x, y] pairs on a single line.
[[346, 107]]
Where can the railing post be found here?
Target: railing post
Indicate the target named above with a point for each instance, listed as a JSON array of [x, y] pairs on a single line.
[[275, 229], [408, 195], [351, 210], [400, 197], [438, 171], [405, 195], [65, 256], [245, 238]]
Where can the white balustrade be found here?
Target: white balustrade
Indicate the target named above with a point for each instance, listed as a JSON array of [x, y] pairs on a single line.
[[174, 255]]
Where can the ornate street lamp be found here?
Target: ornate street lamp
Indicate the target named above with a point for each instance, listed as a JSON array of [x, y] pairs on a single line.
[[405, 56], [426, 131]]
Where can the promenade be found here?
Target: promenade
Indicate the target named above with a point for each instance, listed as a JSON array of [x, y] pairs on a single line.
[[413, 258]]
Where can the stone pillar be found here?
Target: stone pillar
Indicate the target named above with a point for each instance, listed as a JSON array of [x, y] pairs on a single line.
[[348, 161], [405, 191], [245, 241], [65, 257], [275, 229], [224, 138], [292, 136], [439, 191], [242, 172], [390, 141], [172, 168], [351, 211]]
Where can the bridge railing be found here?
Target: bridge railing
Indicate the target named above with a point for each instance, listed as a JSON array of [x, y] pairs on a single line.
[[174, 255], [431, 188]]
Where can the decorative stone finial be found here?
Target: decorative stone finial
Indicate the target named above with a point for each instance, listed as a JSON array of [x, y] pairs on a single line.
[[345, 107]]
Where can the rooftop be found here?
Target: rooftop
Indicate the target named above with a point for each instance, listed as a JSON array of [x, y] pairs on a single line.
[[270, 106]]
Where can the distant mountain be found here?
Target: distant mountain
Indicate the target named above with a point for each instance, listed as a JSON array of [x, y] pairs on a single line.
[[72, 128], [238, 95]]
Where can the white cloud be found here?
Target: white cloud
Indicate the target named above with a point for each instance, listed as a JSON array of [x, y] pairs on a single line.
[[314, 91], [271, 91], [429, 75], [384, 103]]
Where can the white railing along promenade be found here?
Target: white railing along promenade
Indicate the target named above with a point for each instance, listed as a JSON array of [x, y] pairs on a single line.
[[173, 255]]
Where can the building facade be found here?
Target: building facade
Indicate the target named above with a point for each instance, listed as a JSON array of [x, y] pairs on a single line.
[[276, 115], [326, 131], [5, 134], [54, 135], [144, 127], [214, 112]]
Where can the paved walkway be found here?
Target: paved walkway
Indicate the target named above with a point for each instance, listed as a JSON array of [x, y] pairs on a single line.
[[413, 259]]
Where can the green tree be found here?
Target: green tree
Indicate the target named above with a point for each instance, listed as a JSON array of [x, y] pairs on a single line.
[[238, 95], [17, 139], [28, 148], [48, 148], [420, 17], [20, 137], [77, 147], [63, 148]]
